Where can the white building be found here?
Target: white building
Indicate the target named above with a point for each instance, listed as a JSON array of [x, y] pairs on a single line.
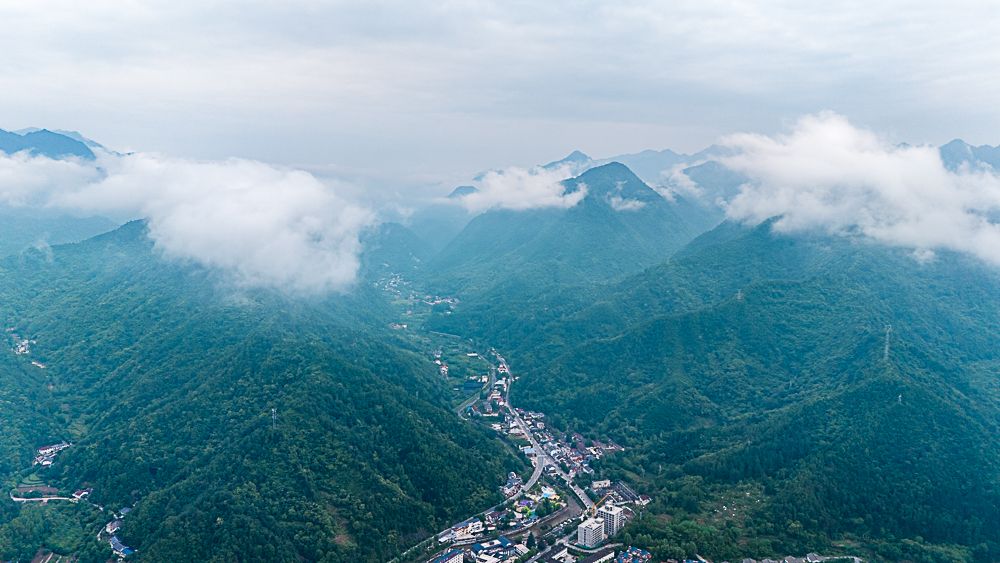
[[590, 533], [450, 556], [614, 519]]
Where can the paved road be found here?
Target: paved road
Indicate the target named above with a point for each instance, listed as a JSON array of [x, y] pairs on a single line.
[[542, 459], [475, 396]]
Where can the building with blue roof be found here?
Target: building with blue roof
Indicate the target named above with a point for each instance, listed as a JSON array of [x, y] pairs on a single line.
[[634, 555], [450, 556]]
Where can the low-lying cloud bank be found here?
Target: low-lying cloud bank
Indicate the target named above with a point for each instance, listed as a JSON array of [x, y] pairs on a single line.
[[827, 174], [277, 227], [523, 188], [267, 226]]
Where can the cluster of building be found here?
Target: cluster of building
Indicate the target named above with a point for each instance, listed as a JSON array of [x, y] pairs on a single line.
[[22, 346], [463, 531], [809, 558], [513, 485], [509, 518], [494, 402], [562, 555], [500, 550], [120, 549], [628, 555], [521, 514], [606, 523], [111, 529], [449, 556], [45, 455], [618, 493], [570, 451], [433, 300], [634, 555], [393, 284]]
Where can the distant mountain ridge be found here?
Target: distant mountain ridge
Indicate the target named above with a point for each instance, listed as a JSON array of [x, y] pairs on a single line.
[[620, 225], [718, 183], [43, 142], [22, 228], [573, 160], [462, 191], [651, 165], [956, 153]]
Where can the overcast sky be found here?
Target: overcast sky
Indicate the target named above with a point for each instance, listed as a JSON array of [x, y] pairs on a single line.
[[417, 91]]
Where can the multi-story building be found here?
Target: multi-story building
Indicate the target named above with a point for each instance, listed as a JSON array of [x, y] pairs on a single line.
[[590, 533], [602, 556], [614, 519], [450, 556]]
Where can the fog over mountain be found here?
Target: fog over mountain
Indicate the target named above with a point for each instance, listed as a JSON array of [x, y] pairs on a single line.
[[693, 284], [827, 174], [265, 225], [270, 225], [634, 281]]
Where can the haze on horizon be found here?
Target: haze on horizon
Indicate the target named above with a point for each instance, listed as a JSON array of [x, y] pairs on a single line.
[[414, 92]]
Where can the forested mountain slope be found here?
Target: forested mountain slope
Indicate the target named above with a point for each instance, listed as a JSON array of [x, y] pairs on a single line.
[[392, 248], [620, 226], [164, 378], [22, 227], [759, 359]]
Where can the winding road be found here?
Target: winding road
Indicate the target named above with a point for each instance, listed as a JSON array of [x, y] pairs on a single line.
[[540, 461]]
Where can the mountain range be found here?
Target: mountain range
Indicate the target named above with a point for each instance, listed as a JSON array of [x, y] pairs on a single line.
[[775, 393], [42, 142]]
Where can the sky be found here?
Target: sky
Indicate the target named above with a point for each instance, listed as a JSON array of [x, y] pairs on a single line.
[[399, 94], [265, 139]]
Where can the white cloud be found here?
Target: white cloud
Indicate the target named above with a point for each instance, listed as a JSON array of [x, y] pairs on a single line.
[[677, 182], [26, 180], [523, 188], [266, 226], [828, 174], [618, 203]]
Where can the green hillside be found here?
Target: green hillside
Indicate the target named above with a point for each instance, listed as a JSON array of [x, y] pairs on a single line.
[[757, 360], [164, 378], [621, 226]]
